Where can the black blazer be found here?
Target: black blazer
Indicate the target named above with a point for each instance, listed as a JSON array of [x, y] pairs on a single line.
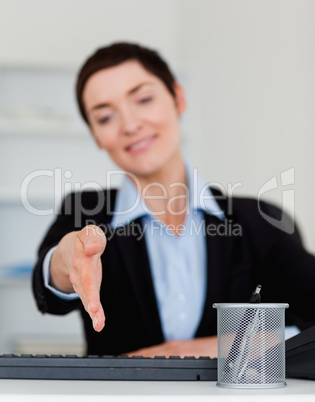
[[242, 251]]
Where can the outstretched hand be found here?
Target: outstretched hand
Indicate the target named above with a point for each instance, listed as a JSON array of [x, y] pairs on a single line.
[[76, 266]]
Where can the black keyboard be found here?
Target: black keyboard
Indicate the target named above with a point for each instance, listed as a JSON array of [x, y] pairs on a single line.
[[71, 367], [300, 363]]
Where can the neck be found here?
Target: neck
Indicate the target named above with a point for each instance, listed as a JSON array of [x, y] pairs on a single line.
[[165, 191]]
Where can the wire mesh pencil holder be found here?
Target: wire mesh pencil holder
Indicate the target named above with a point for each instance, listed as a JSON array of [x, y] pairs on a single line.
[[251, 345]]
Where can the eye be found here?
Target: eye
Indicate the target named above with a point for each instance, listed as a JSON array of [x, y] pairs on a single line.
[[145, 100], [104, 120]]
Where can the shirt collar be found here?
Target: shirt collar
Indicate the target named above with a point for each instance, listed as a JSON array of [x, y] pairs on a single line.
[[200, 194], [130, 205]]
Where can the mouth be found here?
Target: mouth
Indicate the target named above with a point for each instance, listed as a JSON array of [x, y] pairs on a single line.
[[141, 145]]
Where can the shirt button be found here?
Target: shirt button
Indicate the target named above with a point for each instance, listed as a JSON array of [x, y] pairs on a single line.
[[182, 316]]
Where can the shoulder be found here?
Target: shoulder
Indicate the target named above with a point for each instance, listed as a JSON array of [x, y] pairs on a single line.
[[244, 205], [258, 215], [89, 202]]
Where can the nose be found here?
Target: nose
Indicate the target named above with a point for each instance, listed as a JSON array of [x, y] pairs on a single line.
[[130, 122]]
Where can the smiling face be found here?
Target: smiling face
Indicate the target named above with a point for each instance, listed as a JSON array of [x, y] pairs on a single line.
[[134, 117]]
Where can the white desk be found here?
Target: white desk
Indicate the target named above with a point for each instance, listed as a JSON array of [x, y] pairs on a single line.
[[132, 391]]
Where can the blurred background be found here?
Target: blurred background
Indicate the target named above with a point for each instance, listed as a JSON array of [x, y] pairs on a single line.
[[248, 70]]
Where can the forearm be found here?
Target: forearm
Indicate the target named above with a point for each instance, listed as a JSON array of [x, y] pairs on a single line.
[[206, 346]]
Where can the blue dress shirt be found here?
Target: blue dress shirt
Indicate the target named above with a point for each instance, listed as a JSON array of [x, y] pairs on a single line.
[[178, 263]]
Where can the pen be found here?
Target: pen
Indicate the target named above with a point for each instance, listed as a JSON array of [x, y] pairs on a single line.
[[244, 336], [255, 297], [246, 347]]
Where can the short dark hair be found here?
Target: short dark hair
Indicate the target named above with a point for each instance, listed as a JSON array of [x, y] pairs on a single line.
[[118, 53]]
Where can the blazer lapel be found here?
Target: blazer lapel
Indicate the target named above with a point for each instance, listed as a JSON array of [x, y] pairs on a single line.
[[134, 253], [219, 257]]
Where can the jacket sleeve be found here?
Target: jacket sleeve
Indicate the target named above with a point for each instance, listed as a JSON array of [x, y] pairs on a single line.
[[68, 219]]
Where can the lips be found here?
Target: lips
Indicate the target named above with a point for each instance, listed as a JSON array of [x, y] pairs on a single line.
[[141, 145]]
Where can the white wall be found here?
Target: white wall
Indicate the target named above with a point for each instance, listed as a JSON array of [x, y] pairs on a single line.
[[248, 67], [69, 30], [252, 64], [257, 102]]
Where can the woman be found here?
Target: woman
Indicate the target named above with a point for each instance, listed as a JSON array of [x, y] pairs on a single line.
[[153, 256]]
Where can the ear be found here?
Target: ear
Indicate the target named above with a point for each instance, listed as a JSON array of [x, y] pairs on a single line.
[[180, 98]]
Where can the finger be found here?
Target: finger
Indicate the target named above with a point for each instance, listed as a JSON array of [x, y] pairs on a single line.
[[96, 312], [98, 319], [91, 282], [97, 316], [93, 307]]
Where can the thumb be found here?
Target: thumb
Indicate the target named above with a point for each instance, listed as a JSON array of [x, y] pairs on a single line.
[[93, 239], [93, 247]]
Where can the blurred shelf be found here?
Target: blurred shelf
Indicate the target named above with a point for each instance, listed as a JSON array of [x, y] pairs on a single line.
[[16, 275], [39, 100], [40, 65], [23, 128], [49, 345], [11, 196]]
